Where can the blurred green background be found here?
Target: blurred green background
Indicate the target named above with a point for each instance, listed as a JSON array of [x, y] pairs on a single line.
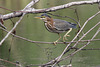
[[32, 53]]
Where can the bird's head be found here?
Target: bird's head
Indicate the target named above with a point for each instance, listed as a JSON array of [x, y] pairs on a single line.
[[44, 17]]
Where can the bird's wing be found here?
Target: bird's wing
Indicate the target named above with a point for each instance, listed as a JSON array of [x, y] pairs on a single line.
[[61, 24]]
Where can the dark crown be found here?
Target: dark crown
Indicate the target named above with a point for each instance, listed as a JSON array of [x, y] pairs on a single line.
[[45, 15]]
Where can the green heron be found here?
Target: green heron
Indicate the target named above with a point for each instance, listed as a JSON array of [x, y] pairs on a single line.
[[57, 26]]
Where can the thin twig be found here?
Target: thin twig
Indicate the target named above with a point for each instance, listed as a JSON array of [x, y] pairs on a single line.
[[10, 62], [39, 42], [27, 7], [11, 30], [77, 35], [64, 17], [82, 46], [86, 33], [84, 26], [55, 60], [7, 9]]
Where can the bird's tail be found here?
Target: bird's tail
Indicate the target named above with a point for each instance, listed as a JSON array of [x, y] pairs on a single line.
[[73, 25]]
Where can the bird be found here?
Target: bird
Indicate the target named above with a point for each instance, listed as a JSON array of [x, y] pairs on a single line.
[[57, 26]]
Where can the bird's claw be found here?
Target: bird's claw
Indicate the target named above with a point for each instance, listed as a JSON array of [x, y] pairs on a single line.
[[55, 42], [64, 38], [67, 35]]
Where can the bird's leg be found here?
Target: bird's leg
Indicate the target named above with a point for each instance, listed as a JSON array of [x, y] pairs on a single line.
[[55, 42], [64, 37]]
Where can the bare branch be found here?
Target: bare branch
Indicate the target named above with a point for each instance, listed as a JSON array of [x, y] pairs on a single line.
[[29, 9], [10, 62], [28, 6], [88, 30], [82, 46], [58, 58], [39, 42], [77, 35], [32, 10]]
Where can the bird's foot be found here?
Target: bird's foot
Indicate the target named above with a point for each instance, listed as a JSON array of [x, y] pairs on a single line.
[[55, 42], [67, 35], [64, 37]]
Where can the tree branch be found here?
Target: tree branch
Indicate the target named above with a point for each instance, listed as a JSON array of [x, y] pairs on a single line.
[[55, 61], [28, 6], [10, 62], [32, 10], [40, 42], [82, 46]]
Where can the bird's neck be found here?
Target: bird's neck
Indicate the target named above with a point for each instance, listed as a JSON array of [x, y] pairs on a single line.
[[50, 21]]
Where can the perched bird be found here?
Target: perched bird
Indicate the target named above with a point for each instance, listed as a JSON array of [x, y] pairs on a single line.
[[57, 26]]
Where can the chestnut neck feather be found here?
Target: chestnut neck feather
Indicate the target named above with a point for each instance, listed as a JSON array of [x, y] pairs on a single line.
[[50, 21]]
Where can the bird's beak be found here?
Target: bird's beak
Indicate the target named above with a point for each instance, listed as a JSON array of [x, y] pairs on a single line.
[[38, 17]]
